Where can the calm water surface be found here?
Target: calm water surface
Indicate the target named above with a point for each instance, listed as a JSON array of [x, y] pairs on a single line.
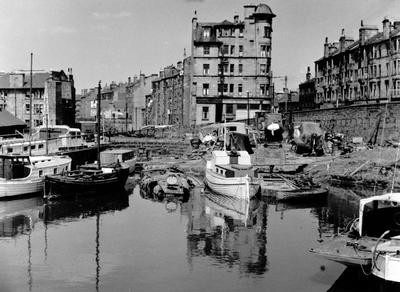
[[132, 243]]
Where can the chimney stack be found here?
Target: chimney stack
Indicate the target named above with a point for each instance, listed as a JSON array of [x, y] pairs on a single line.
[[386, 28], [236, 19], [308, 75], [326, 48]]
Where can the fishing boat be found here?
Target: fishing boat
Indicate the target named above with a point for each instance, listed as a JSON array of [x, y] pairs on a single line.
[[24, 175], [230, 173], [377, 226], [88, 180]]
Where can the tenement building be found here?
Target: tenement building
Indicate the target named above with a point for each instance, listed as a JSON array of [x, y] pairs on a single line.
[[307, 92], [166, 104], [360, 72], [53, 97], [230, 66]]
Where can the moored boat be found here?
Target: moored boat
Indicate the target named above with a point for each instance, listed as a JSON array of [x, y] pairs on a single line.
[[379, 220], [24, 175], [86, 182], [230, 173]]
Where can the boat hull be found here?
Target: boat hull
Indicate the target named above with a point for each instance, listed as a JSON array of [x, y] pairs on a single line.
[[14, 188], [237, 187], [301, 194], [61, 186]]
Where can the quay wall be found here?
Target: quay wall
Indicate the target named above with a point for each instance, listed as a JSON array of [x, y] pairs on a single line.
[[357, 121]]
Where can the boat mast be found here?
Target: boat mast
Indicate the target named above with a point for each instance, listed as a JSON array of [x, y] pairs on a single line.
[[98, 124], [30, 108]]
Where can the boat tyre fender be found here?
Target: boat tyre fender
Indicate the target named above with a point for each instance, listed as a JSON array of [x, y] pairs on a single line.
[[158, 191], [374, 253]]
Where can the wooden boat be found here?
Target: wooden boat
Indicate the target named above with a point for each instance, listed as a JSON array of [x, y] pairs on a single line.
[[301, 194], [86, 181], [112, 156], [231, 174], [23, 175], [379, 219], [167, 181]]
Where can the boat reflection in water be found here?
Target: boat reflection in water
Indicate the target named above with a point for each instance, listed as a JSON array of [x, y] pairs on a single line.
[[229, 230], [19, 216], [70, 210]]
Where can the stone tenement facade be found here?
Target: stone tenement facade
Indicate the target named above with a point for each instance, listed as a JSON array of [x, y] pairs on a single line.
[[137, 90], [53, 95], [362, 71], [358, 121], [166, 104], [230, 66]]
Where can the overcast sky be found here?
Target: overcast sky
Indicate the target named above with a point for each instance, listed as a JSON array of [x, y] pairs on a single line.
[[113, 39]]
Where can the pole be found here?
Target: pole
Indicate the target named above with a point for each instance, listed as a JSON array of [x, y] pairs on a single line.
[[30, 108], [98, 124], [248, 108]]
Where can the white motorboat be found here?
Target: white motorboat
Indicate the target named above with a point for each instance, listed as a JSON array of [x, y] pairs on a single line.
[[231, 174], [23, 175]]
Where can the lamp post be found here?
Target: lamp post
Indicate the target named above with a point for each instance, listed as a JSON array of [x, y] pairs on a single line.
[[248, 108]]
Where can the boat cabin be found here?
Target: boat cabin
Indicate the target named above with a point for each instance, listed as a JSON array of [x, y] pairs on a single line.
[[233, 163], [379, 214], [116, 155], [13, 167]]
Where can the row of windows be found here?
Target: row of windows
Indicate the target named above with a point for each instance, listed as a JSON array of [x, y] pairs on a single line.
[[225, 88], [229, 32], [230, 50], [230, 68], [205, 112], [37, 108]]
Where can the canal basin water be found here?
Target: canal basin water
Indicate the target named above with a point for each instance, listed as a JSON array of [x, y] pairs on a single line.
[[133, 243]]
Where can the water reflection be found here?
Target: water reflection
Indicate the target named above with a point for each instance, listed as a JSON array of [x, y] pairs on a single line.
[[19, 216], [67, 210], [229, 231]]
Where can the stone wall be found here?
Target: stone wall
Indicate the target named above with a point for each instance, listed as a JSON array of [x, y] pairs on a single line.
[[357, 121]]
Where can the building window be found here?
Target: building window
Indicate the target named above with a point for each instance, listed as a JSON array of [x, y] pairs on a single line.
[[232, 50], [27, 108], [240, 68], [38, 108], [231, 86], [267, 32], [225, 50], [225, 68], [206, 88], [229, 108], [263, 50], [241, 32], [240, 51], [40, 172], [241, 106], [240, 89], [262, 89], [232, 68], [206, 50], [206, 33], [225, 87], [205, 113], [206, 69], [263, 69]]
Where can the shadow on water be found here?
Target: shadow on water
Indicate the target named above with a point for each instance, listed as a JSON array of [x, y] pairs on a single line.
[[353, 280], [231, 232]]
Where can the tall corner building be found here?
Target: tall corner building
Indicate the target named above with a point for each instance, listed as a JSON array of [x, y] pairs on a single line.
[[230, 67]]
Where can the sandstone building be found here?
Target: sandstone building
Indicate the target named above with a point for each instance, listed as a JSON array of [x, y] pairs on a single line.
[[230, 66], [360, 72], [53, 95]]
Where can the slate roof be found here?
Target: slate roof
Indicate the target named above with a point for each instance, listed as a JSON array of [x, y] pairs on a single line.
[[9, 120], [38, 80]]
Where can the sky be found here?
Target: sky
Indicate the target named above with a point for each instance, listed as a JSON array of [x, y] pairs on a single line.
[[110, 40]]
